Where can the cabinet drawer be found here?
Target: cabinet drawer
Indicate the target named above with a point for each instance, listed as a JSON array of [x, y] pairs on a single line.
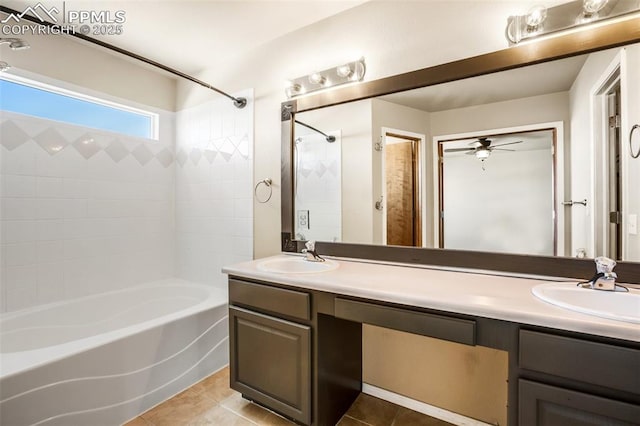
[[600, 364], [544, 405], [432, 325], [295, 304]]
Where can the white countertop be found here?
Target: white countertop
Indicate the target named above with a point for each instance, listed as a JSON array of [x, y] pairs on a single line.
[[490, 296]]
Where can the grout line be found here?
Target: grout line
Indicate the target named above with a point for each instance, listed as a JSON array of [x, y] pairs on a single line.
[[238, 414], [358, 420]]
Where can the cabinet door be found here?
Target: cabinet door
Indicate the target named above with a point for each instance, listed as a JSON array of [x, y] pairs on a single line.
[[544, 405], [271, 362]]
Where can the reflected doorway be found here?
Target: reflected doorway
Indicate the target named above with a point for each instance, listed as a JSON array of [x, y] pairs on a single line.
[[499, 191], [402, 208]]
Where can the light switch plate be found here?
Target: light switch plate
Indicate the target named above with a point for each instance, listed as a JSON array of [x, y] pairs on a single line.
[[632, 226]]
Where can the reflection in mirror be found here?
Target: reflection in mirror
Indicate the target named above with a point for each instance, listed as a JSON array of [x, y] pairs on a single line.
[[496, 193], [534, 194], [318, 175]]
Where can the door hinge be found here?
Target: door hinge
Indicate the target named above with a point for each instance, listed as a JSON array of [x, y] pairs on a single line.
[[614, 122], [378, 145], [615, 217]]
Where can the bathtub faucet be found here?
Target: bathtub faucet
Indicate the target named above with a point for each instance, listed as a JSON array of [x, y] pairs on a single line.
[[310, 251]]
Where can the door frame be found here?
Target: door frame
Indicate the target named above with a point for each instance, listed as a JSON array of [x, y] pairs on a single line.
[[420, 190], [599, 224], [558, 186]]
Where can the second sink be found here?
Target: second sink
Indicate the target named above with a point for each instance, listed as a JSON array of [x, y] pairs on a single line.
[[618, 305]]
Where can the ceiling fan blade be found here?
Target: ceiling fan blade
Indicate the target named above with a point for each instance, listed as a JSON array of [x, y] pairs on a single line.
[[503, 144], [459, 149], [503, 149], [471, 152]]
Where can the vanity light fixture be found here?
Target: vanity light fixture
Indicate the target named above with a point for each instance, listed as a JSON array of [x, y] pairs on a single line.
[[331, 77], [539, 20]]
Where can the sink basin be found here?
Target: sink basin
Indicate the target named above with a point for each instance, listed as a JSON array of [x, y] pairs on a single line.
[[621, 306], [296, 265]]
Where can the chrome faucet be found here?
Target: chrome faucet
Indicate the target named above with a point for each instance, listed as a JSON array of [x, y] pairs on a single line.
[[605, 278], [310, 251]]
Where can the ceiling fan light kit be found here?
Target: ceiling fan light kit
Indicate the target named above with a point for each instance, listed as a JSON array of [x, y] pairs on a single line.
[[482, 148]]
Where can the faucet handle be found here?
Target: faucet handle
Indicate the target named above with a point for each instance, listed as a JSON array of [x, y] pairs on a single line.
[[310, 245], [604, 265]]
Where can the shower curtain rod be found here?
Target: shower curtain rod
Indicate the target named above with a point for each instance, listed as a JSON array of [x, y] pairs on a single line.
[[237, 101], [329, 138]]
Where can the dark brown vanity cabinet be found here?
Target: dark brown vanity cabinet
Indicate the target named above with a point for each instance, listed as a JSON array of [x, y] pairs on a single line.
[[299, 352], [566, 381], [270, 355]]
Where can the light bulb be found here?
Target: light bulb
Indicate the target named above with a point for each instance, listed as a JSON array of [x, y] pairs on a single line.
[[344, 71], [593, 6], [317, 78], [536, 16], [482, 154], [293, 89]]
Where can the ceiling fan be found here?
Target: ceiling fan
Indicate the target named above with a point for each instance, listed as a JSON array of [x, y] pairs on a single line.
[[482, 148]]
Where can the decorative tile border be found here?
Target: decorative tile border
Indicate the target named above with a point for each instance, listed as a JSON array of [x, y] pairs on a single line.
[[53, 139]]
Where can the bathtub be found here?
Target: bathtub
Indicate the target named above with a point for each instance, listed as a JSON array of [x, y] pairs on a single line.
[[104, 359]]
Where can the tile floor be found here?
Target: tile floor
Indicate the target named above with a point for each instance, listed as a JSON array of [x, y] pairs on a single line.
[[212, 402]]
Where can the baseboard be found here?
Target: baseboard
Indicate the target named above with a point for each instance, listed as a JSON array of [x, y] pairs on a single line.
[[421, 407]]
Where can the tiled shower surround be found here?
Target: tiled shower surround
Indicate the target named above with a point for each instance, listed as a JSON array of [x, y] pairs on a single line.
[[214, 191], [85, 211]]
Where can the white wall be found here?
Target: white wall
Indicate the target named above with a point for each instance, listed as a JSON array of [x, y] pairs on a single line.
[[581, 156], [214, 208], [68, 60], [506, 208], [631, 116], [393, 36]]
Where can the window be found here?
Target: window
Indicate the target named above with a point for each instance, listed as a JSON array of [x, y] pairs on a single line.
[[53, 103]]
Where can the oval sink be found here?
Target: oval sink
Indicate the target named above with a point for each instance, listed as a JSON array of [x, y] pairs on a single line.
[[296, 265], [621, 306]]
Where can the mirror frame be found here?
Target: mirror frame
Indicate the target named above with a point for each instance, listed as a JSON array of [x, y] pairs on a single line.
[[583, 41]]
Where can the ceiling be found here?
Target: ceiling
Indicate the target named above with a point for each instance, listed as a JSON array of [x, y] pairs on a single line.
[[191, 35], [549, 77]]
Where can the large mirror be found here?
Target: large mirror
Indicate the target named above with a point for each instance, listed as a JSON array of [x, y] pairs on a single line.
[[534, 160]]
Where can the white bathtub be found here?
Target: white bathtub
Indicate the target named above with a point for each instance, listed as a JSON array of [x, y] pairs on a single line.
[[103, 359]]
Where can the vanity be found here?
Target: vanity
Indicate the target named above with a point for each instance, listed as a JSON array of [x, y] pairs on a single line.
[[296, 339]]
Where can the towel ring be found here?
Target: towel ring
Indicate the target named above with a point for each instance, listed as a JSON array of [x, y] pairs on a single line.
[[266, 182], [633, 129]]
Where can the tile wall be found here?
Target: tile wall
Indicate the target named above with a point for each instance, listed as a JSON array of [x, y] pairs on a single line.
[[214, 189], [318, 200], [82, 210]]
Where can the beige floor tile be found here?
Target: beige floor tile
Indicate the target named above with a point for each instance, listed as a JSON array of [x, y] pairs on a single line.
[[349, 421], [275, 420], [244, 408], [219, 416], [406, 417], [372, 410], [215, 386], [179, 410]]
